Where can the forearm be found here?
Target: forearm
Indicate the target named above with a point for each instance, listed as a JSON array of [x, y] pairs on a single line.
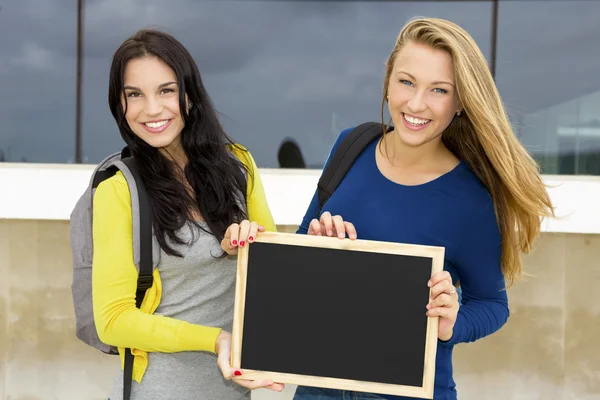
[[477, 319], [124, 325]]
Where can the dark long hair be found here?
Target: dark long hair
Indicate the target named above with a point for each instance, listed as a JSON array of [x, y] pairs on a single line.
[[216, 176]]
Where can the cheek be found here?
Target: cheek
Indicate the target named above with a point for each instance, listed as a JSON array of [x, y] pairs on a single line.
[[172, 104], [398, 95], [444, 110], [132, 111], [395, 100]]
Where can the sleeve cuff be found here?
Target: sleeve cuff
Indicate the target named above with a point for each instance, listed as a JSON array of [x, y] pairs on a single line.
[[457, 333], [198, 338]]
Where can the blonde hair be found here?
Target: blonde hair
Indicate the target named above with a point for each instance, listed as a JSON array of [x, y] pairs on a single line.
[[482, 136]]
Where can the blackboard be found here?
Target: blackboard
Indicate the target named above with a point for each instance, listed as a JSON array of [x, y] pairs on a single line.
[[325, 312]]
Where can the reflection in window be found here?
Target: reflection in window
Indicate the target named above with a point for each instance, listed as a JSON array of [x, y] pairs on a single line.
[[547, 74], [305, 70], [37, 77]]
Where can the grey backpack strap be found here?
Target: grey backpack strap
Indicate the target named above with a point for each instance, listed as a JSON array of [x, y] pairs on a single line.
[[145, 232], [145, 279]]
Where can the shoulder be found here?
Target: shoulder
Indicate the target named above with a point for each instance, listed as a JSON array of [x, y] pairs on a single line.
[[343, 135], [473, 200], [113, 190], [242, 154], [364, 133], [470, 189]]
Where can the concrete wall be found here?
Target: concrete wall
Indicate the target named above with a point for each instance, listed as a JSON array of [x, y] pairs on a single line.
[[549, 349]]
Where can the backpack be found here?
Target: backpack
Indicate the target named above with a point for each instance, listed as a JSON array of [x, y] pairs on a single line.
[[342, 159], [146, 251]]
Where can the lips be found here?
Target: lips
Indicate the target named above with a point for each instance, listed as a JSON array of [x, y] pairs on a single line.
[[414, 123], [157, 126], [415, 120]]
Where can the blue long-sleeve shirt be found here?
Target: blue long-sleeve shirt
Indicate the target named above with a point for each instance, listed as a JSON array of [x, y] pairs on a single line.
[[454, 211]]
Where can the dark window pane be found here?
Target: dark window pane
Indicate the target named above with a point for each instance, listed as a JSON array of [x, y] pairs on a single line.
[[547, 73], [274, 69], [37, 77]]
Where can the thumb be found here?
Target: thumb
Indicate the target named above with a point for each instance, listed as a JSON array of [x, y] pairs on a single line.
[[223, 363]]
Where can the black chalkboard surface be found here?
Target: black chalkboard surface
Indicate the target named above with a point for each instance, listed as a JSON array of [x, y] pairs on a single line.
[[343, 314]]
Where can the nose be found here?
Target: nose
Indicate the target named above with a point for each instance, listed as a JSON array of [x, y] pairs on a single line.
[[153, 106], [416, 103]]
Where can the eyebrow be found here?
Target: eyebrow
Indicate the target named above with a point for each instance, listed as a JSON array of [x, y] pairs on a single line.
[[162, 85], [433, 83]]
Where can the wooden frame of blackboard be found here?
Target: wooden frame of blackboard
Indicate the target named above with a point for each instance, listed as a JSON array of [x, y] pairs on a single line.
[[423, 391]]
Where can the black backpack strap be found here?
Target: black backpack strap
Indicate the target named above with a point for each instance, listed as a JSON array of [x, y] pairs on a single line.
[[145, 279], [103, 175], [344, 156]]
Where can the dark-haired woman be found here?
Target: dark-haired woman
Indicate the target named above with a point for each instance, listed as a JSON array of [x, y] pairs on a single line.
[[204, 191]]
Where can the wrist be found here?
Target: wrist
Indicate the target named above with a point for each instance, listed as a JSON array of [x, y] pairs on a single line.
[[219, 340], [447, 336]]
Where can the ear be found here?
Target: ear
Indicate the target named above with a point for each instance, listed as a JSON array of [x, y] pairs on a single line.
[[188, 104], [459, 110]]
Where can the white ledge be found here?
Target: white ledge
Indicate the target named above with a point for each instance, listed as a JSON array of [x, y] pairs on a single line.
[[50, 191]]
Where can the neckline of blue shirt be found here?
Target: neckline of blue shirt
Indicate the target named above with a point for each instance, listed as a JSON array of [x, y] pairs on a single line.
[[371, 155]]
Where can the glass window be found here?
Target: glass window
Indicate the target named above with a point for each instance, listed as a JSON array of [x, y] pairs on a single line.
[[547, 74], [37, 77], [275, 70]]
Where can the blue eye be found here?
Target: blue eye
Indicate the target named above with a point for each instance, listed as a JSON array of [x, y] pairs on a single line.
[[405, 82], [440, 90]]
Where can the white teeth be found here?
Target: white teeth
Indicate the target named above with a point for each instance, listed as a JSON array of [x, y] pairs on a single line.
[[415, 121], [156, 124]]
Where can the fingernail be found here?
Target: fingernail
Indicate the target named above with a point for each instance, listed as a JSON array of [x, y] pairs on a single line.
[[251, 239], [234, 242], [237, 373], [429, 283], [242, 243], [329, 233]]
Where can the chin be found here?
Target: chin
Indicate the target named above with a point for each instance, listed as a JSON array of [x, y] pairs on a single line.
[[412, 140], [157, 143]]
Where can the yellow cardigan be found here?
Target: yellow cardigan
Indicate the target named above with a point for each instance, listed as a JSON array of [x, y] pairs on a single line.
[[114, 278]]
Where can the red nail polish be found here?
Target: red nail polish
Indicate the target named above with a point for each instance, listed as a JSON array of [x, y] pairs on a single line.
[[234, 242], [242, 243], [251, 238], [237, 373]]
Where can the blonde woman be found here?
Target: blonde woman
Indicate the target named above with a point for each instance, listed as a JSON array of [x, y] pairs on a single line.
[[450, 172]]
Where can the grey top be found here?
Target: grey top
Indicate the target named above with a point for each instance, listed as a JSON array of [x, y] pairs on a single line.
[[198, 288]]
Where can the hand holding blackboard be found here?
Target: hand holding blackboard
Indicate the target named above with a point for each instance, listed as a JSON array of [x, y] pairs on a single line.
[[443, 304], [241, 234], [328, 225], [329, 297], [223, 350]]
